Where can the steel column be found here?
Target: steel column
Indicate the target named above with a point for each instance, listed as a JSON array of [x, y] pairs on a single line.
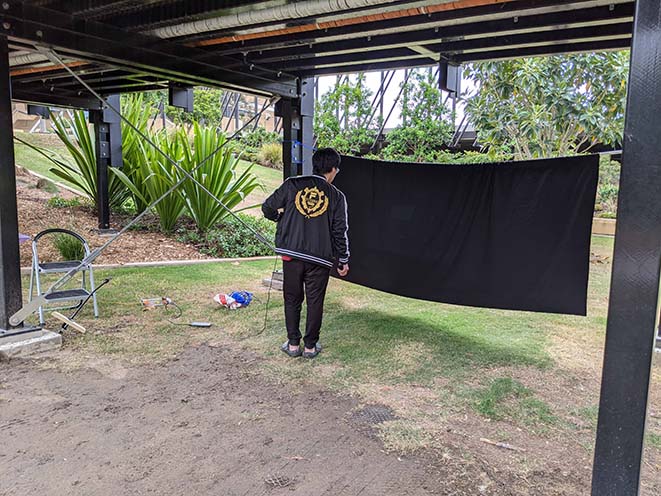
[[298, 133], [306, 90], [11, 298], [108, 147], [636, 266]]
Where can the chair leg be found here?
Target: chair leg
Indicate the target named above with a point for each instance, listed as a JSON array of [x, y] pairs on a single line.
[[31, 282], [92, 288], [37, 280]]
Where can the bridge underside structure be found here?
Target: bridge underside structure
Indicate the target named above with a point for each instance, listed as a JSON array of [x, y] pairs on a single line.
[[271, 47]]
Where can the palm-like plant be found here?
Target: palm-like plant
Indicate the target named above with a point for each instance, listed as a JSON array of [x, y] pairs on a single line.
[[138, 114], [152, 175], [218, 174]]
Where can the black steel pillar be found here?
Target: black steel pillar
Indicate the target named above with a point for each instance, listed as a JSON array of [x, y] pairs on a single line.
[[298, 133], [383, 97], [11, 298], [636, 266], [108, 145]]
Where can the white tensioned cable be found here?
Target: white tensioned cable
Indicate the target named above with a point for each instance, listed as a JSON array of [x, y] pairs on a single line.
[[28, 309]]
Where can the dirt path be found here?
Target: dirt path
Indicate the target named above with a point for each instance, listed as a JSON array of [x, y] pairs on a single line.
[[202, 424]]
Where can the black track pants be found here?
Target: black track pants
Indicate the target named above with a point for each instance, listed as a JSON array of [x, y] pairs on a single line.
[[304, 279]]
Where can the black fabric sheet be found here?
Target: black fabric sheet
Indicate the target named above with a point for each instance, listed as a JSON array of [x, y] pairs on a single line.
[[513, 235]]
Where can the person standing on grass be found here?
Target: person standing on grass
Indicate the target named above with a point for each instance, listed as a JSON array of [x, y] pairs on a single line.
[[312, 240]]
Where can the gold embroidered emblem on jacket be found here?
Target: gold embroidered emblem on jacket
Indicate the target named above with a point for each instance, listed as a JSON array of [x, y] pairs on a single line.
[[311, 202]]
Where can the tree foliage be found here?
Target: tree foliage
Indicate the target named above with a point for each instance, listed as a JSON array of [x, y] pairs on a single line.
[[207, 108], [426, 125], [342, 114], [549, 106]]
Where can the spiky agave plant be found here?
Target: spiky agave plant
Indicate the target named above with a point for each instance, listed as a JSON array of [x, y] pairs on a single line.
[[152, 175], [218, 174]]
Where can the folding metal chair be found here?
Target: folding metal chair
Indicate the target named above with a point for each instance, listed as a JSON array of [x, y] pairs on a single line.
[[76, 294]]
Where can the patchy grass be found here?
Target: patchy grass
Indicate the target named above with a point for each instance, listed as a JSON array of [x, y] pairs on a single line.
[[654, 440], [507, 398], [403, 437]]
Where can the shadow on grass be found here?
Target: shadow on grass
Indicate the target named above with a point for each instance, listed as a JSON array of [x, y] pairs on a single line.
[[394, 347]]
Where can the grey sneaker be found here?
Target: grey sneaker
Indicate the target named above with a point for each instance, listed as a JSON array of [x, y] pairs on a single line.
[[312, 354], [285, 349]]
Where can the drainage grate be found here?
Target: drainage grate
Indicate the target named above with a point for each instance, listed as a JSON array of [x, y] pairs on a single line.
[[278, 480], [375, 414]]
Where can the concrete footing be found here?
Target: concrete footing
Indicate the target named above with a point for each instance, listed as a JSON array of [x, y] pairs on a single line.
[[29, 343]]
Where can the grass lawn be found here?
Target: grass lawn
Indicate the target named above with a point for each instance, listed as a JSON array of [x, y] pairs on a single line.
[[519, 377], [33, 160]]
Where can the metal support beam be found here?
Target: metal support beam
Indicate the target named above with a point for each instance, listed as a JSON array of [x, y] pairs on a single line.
[[636, 267], [103, 43], [11, 296], [298, 134], [108, 146], [56, 100]]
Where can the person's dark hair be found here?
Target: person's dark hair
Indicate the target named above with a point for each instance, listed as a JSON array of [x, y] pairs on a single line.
[[324, 160]]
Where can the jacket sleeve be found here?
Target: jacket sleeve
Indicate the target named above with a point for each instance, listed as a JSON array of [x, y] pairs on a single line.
[[274, 202], [340, 230]]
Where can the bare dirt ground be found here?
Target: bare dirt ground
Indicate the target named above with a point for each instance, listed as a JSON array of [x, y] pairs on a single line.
[[34, 215], [204, 423]]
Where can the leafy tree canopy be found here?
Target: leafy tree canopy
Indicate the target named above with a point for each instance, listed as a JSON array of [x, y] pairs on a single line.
[[427, 125], [549, 106], [341, 116]]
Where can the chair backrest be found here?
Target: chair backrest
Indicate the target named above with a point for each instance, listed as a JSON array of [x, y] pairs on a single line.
[[35, 254]]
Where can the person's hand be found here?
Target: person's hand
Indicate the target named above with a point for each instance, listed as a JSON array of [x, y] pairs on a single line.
[[343, 270]]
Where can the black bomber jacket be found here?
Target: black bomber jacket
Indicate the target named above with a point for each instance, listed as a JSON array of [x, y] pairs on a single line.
[[313, 226]]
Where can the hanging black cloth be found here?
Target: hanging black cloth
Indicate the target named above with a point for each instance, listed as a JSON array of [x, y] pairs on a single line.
[[513, 235]]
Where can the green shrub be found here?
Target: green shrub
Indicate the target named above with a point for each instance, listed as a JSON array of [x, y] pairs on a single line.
[[252, 142], [59, 202], [448, 157], [608, 187], [47, 185], [260, 136], [270, 155], [231, 239], [69, 247]]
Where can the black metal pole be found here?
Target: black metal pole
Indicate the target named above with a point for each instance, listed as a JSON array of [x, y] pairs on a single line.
[[108, 143], [306, 91], [636, 266], [11, 298], [285, 108], [384, 94], [103, 196]]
